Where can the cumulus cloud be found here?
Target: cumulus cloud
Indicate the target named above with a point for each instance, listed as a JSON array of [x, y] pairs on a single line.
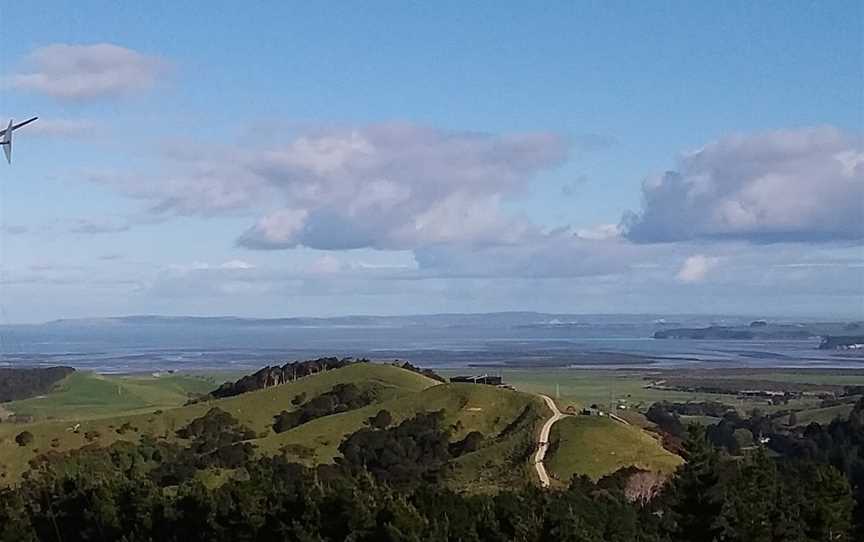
[[81, 72], [385, 186], [788, 185], [696, 268]]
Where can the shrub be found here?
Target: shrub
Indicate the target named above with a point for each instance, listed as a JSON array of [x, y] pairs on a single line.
[[471, 443], [342, 398], [125, 428], [298, 450], [24, 438], [382, 420]]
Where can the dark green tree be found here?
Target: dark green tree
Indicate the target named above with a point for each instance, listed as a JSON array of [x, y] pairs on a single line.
[[695, 493], [750, 505]]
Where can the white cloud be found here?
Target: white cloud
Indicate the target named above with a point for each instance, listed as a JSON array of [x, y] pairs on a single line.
[[600, 231], [81, 72], [385, 186], [696, 268], [278, 229], [236, 264], [787, 185]]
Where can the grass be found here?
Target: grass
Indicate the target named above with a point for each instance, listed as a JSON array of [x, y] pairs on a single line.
[[593, 446], [584, 387], [467, 407], [84, 395], [255, 409], [506, 461], [596, 446], [823, 415]]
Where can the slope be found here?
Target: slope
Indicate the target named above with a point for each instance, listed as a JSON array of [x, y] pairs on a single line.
[[254, 409], [84, 395], [596, 446]]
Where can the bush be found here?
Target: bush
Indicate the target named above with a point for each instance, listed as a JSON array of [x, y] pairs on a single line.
[[342, 398], [24, 438], [413, 451], [123, 429], [382, 420], [298, 450], [471, 443]]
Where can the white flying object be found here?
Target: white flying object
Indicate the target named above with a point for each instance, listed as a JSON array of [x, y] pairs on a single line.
[[6, 137]]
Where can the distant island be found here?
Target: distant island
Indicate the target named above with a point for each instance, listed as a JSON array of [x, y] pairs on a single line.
[[842, 343], [758, 329]]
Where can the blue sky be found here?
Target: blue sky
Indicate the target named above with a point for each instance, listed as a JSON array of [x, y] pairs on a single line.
[[392, 157]]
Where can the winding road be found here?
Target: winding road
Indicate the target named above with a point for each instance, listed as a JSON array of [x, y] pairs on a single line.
[[543, 441]]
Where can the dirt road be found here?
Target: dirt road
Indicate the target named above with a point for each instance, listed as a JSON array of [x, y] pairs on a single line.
[[543, 441]]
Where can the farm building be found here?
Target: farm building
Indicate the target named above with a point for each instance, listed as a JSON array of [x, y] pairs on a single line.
[[490, 380]]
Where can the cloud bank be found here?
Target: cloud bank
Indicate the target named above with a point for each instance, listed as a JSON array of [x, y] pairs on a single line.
[[438, 200], [383, 186], [787, 185]]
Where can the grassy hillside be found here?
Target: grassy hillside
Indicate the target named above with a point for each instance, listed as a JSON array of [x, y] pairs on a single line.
[[255, 410], [823, 415], [85, 395], [508, 420], [596, 446]]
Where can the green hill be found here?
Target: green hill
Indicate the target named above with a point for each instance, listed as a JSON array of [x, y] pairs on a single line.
[[823, 415], [508, 421], [596, 446], [254, 409], [84, 395]]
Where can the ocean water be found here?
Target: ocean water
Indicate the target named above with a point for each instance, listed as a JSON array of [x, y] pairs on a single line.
[[131, 348]]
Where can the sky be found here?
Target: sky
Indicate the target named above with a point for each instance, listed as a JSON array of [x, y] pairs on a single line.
[[329, 158]]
